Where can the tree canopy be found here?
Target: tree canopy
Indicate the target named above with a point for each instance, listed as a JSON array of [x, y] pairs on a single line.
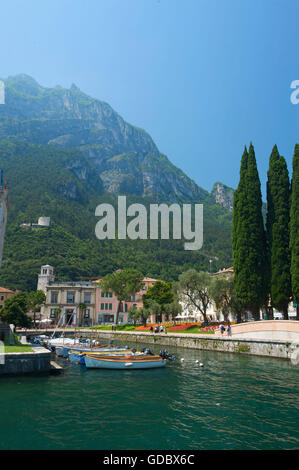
[[124, 283], [278, 235], [15, 310], [193, 289], [249, 239], [294, 228]]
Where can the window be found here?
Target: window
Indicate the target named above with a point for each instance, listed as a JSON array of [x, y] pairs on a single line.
[[86, 314], [52, 314], [106, 294], [102, 306], [54, 297], [110, 306], [2, 297], [87, 296], [70, 298]]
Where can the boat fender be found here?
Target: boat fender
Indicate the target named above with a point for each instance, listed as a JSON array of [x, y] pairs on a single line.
[[128, 364]]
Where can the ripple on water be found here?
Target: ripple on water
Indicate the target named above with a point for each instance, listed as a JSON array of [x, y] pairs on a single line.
[[233, 402]]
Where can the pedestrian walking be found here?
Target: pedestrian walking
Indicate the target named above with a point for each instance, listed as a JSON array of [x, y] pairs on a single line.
[[222, 329]]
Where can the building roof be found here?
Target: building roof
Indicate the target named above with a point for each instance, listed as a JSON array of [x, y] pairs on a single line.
[[3, 289], [224, 271]]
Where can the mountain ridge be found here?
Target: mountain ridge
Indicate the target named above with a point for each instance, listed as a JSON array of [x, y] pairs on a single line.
[[63, 153], [69, 118]]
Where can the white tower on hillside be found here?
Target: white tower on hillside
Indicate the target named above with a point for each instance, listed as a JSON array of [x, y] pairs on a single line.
[[45, 277]]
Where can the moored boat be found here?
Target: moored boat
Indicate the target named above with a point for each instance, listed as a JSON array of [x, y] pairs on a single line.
[[79, 356], [123, 362]]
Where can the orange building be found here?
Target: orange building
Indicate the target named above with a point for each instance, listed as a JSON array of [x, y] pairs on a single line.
[[5, 294]]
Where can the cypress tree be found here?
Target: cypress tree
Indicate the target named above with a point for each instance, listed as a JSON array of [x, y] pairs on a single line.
[[239, 228], [249, 239], [294, 228], [278, 218]]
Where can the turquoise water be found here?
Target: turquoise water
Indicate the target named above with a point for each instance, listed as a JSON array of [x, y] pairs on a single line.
[[233, 402]]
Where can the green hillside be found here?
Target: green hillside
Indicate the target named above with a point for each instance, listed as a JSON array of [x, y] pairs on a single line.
[[63, 154]]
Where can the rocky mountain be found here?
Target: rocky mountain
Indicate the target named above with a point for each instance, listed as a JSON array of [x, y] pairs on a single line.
[[223, 195], [123, 157], [63, 153]]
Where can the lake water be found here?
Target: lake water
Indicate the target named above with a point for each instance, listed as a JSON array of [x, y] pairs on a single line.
[[233, 402]]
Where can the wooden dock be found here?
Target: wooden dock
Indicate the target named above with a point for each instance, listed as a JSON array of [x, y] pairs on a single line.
[[55, 368]]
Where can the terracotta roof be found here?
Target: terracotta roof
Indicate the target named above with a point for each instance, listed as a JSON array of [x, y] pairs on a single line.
[[2, 289]]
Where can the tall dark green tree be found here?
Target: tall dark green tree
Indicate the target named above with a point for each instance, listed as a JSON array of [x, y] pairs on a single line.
[[278, 235], [160, 293], [294, 228], [249, 238]]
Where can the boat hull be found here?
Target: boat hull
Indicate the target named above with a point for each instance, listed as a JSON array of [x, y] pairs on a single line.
[[79, 356], [128, 363]]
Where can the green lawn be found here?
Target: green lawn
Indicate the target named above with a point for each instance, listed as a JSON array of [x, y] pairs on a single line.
[[193, 330], [118, 328], [18, 348]]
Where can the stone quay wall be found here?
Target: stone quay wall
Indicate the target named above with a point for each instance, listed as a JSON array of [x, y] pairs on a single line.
[[19, 363], [258, 347]]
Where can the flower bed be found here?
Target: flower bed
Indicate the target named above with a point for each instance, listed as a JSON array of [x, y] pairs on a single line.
[[183, 326], [143, 328], [209, 328]]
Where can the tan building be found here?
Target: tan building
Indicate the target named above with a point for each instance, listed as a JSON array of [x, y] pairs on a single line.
[[100, 307], [75, 300]]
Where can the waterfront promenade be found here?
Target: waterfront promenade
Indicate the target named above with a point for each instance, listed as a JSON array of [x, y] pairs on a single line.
[[256, 338]]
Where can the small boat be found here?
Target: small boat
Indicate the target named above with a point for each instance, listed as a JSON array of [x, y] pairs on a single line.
[[98, 348], [79, 356], [123, 362]]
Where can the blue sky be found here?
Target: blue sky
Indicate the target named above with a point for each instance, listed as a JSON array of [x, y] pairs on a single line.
[[202, 77]]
